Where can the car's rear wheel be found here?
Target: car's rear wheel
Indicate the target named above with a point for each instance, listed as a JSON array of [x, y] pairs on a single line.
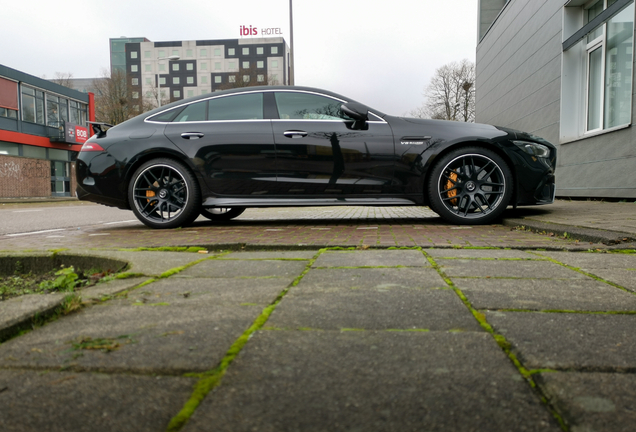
[[222, 213], [164, 194], [470, 185]]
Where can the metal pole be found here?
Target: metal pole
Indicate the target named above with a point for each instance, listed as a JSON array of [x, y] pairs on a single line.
[[291, 44]]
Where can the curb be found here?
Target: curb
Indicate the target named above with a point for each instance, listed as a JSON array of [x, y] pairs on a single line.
[[609, 238]]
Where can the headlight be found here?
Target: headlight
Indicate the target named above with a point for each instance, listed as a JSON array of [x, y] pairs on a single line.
[[533, 149]]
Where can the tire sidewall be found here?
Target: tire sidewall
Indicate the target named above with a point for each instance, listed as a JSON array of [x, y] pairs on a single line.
[[230, 214], [438, 206]]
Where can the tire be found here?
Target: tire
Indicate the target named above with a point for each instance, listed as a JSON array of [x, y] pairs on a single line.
[[470, 186], [222, 213], [163, 193]]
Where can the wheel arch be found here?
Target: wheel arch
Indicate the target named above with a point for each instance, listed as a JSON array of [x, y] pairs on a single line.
[[489, 146]]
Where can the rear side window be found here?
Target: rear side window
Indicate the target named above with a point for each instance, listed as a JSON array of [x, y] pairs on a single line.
[[240, 107], [193, 112], [166, 116]]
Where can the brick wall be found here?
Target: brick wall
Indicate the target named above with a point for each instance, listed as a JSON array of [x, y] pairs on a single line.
[[24, 177]]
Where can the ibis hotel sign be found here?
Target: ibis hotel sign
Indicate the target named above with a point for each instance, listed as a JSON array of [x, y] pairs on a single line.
[[255, 31]]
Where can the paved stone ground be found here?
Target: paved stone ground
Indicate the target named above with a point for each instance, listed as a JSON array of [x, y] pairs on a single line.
[[304, 227], [443, 336]]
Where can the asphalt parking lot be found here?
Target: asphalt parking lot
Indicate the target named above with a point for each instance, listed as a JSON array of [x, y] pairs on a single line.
[[335, 319]]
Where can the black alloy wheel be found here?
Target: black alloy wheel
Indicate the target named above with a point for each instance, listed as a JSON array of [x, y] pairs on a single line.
[[164, 194], [222, 213], [470, 185]]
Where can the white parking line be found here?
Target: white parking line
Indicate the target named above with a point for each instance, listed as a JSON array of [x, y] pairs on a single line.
[[34, 232], [120, 222]]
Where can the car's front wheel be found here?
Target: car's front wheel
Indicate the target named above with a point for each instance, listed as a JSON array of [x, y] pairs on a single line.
[[470, 185], [163, 193], [222, 213]]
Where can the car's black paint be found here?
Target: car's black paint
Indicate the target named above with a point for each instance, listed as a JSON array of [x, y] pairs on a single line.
[[363, 157]]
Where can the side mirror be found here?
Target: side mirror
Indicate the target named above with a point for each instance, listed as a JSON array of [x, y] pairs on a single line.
[[358, 112]]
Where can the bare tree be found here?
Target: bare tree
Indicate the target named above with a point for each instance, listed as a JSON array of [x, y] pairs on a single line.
[[64, 79], [450, 94], [116, 100]]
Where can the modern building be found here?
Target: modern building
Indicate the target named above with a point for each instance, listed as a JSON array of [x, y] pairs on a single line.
[[564, 70], [42, 128], [181, 69]]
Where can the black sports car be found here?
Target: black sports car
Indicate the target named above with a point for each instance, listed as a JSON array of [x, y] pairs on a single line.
[[220, 153]]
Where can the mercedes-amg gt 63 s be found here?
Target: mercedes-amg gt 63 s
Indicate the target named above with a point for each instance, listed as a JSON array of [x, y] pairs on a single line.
[[217, 154]]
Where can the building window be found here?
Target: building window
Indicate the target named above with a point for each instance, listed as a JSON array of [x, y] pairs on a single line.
[[162, 68], [598, 57], [190, 93], [260, 64], [175, 52], [162, 53], [274, 79], [231, 51], [204, 79], [176, 93], [189, 53], [246, 51], [246, 78], [204, 66], [162, 80], [134, 68], [260, 78], [217, 79], [190, 80], [148, 67], [246, 65], [134, 81], [260, 50], [217, 52], [148, 81], [133, 54], [176, 80], [175, 66], [217, 65], [274, 50], [189, 66], [203, 52], [232, 65], [147, 54], [232, 78], [135, 95], [9, 113], [274, 64], [32, 105]]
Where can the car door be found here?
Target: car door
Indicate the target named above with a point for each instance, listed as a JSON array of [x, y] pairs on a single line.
[[230, 143], [319, 152]]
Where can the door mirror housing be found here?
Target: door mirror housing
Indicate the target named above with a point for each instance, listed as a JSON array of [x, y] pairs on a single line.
[[357, 112]]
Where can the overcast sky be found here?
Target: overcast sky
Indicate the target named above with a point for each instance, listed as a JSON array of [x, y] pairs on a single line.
[[380, 52]]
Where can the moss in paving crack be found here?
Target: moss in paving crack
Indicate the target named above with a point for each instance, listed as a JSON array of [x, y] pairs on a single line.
[[211, 379], [503, 343], [191, 249]]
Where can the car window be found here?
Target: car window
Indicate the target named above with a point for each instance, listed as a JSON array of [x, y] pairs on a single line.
[[308, 107], [166, 116], [193, 112], [241, 107]]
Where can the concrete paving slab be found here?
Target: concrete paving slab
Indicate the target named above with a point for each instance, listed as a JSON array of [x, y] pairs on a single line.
[[215, 291], [593, 401], [153, 263], [371, 381], [541, 294], [147, 339], [624, 278], [481, 253], [569, 341], [589, 261], [110, 288], [517, 269], [372, 258], [246, 269], [88, 402], [326, 280], [399, 308], [307, 255]]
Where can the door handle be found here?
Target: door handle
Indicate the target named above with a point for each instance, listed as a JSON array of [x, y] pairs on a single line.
[[295, 134], [192, 135]]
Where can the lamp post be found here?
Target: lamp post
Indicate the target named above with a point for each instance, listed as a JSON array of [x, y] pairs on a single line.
[[291, 45], [169, 58]]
